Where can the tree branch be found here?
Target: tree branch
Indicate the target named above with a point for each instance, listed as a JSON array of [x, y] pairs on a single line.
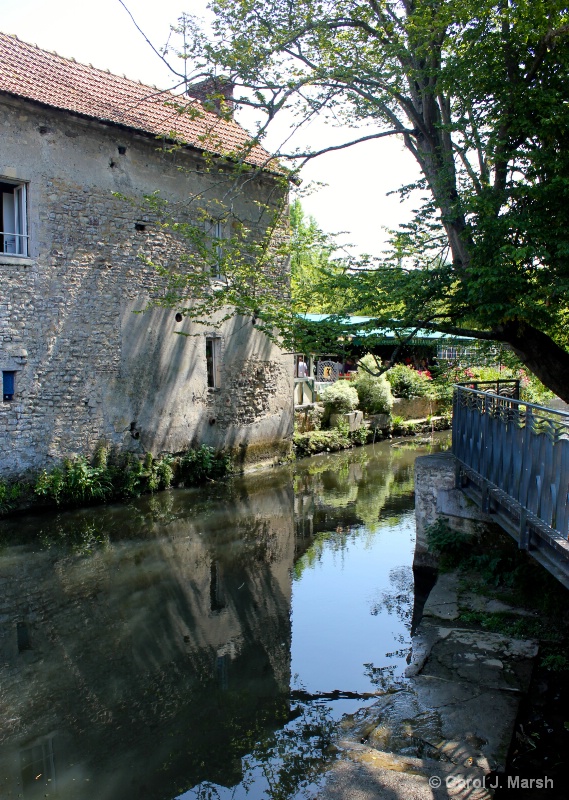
[[541, 51], [149, 43], [308, 156]]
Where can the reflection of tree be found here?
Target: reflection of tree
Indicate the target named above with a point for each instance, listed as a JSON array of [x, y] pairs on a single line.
[[349, 502], [288, 760], [335, 541], [382, 677], [372, 498], [399, 600], [206, 791], [297, 753], [355, 488]]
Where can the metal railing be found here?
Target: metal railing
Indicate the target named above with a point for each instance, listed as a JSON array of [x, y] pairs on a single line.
[[514, 461], [15, 244], [505, 388]]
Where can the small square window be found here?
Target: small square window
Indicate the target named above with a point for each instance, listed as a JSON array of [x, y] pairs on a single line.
[[213, 361], [14, 220], [8, 385]]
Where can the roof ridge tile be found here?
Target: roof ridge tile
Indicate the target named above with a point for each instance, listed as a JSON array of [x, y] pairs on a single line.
[[68, 85]]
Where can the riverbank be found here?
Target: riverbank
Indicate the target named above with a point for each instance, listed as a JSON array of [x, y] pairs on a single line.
[[446, 731], [77, 482], [330, 440], [482, 712]]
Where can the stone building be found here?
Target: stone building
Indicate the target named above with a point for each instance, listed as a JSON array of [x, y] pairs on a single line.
[[80, 149]]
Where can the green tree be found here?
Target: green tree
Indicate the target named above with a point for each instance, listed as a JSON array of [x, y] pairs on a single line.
[[478, 91], [311, 251]]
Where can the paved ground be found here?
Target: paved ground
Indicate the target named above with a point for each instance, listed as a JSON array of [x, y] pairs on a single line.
[[445, 732]]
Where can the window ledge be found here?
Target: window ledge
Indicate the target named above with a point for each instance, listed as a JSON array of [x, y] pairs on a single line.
[[24, 261]]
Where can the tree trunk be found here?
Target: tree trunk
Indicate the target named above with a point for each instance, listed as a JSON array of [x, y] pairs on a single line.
[[540, 354]]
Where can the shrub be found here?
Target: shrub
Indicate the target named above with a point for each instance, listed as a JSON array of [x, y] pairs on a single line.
[[129, 480], [407, 382], [157, 473], [442, 538], [76, 481], [199, 465], [361, 435], [374, 391], [443, 392], [308, 419], [9, 495], [340, 398], [307, 444]]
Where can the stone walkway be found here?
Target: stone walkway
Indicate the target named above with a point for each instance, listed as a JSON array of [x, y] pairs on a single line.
[[447, 730]]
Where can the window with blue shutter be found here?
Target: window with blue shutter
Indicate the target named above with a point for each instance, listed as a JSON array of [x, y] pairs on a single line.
[[8, 385]]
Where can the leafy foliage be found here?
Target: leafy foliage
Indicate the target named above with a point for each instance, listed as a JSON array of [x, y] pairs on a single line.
[[340, 398], [478, 93], [328, 441], [307, 444], [504, 623], [202, 464], [374, 391], [10, 493], [407, 382], [77, 482], [311, 251], [446, 542]]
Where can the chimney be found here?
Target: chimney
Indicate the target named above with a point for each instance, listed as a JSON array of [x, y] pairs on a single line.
[[216, 94]]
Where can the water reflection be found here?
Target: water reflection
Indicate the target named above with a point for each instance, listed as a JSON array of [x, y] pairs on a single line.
[[147, 650]]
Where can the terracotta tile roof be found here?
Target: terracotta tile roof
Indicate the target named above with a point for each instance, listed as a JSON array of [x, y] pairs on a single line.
[[28, 72]]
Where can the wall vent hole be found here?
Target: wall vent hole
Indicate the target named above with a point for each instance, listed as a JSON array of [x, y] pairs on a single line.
[[139, 226], [179, 317], [122, 150]]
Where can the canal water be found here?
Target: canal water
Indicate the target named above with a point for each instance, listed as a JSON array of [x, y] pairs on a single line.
[[204, 643]]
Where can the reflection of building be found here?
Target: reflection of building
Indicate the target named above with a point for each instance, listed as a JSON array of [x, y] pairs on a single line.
[[146, 663]]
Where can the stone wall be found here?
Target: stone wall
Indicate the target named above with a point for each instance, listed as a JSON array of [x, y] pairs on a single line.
[[89, 367], [414, 408], [436, 497]]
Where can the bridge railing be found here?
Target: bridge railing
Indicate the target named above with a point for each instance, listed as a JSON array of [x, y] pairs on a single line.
[[503, 387], [516, 455]]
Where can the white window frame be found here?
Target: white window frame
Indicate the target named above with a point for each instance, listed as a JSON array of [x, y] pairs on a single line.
[[14, 242], [447, 352], [213, 367], [216, 231]]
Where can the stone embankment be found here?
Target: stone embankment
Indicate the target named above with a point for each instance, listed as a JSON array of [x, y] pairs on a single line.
[[445, 731]]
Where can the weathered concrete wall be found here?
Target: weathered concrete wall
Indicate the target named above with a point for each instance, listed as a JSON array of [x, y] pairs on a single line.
[[415, 408], [89, 369], [436, 497]]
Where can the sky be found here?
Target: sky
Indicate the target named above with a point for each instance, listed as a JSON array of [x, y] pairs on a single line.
[[101, 33]]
